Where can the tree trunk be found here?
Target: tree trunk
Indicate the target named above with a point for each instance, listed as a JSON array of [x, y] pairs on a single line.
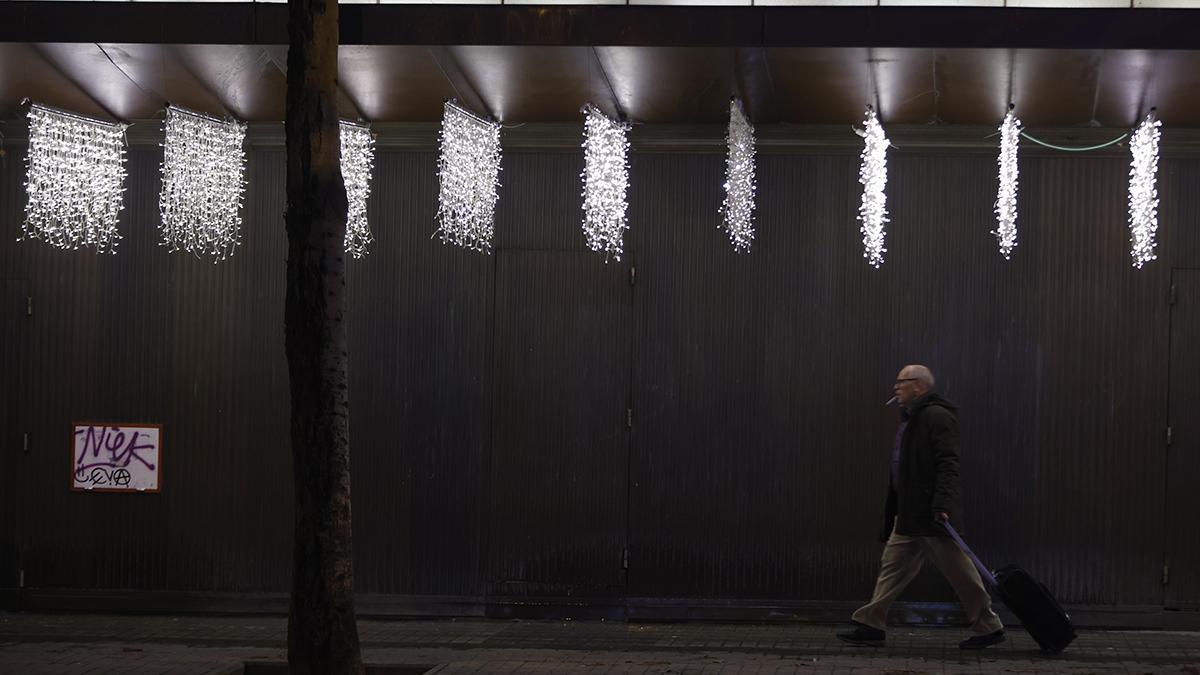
[[322, 633]]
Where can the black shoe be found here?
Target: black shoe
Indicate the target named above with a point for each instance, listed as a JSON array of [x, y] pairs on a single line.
[[982, 641], [863, 636]]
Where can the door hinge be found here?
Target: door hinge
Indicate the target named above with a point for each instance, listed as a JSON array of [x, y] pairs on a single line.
[[625, 559], [1169, 436], [632, 275], [1166, 575], [1171, 295], [629, 418], [29, 305]]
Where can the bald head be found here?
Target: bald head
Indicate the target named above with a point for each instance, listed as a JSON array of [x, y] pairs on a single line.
[[922, 374], [913, 382]]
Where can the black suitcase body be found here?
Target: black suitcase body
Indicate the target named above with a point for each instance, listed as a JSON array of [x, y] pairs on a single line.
[[1028, 598], [1037, 609]]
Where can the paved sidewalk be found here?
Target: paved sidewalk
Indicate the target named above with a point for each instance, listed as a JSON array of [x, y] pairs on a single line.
[[92, 644]]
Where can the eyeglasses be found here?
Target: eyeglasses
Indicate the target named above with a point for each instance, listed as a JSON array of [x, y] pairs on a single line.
[[902, 380]]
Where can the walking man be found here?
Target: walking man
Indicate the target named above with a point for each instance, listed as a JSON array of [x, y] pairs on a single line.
[[924, 493]]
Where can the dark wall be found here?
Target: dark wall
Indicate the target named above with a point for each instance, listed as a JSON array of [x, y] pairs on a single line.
[[493, 455]]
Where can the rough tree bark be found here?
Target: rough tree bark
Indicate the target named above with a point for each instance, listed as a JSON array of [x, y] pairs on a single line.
[[322, 632]]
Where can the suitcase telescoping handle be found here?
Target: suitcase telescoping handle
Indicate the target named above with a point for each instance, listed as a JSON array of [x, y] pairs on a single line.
[[983, 571]]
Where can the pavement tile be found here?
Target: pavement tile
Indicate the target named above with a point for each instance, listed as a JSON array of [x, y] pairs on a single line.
[[78, 644]]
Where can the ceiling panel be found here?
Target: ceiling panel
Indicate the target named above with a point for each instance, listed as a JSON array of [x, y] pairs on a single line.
[[243, 77], [821, 85], [88, 66], [670, 84], [532, 84], [1057, 87], [1126, 84], [394, 83], [25, 73], [347, 109], [755, 86], [157, 71], [1175, 88], [974, 85], [907, 85]]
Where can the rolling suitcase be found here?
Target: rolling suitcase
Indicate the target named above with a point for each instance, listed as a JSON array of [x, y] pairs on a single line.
[[1029, 599]]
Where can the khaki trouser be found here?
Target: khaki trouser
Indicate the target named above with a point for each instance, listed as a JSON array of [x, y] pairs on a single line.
[[902, 560]]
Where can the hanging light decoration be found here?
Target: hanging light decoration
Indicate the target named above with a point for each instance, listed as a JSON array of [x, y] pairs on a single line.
[[1006, 196], [203, 183], [605, 181], [468, 175], [358, 159], [738, 208], [872, 173], [75, 180], [1143, 195]]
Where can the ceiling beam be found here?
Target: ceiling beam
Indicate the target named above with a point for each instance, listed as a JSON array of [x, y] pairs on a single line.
[[600, 25]]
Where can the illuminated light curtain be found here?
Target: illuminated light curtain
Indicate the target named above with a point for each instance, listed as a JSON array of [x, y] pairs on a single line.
[[75, 180], [468, 178], [1006, 194], [1143, 195], [358, 160], [872, 173], [605, 182], [203, 184], [737, 209]]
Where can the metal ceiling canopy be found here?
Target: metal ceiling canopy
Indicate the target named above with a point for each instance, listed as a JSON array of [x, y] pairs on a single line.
[[653, 64], [654, 85]]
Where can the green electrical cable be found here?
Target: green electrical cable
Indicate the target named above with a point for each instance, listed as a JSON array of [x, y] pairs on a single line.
[[1118, 139]]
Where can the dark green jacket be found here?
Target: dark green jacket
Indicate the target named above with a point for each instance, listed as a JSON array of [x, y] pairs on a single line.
[[928, 472]]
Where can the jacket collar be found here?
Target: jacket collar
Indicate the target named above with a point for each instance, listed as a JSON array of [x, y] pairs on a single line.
[[924, 400]]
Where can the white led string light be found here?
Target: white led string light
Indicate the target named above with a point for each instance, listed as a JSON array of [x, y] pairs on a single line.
[[203, 184], [358, 160], [605, 182], [1006, 195], [75, 180], [76, 170], [468, 176], [737, 209], [872, 173], [1143, 195]]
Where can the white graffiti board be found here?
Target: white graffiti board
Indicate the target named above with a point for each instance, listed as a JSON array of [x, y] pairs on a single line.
[[116, 457]]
